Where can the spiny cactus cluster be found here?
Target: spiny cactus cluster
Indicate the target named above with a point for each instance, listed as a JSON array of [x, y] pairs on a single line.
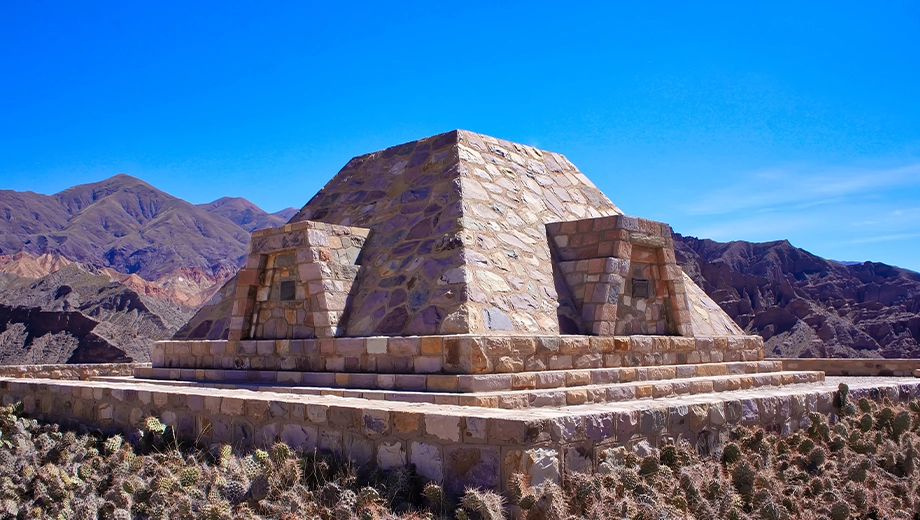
[[860, 464]]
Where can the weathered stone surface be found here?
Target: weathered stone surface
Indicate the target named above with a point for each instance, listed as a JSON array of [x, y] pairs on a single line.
[[466, 466], [427, 460]]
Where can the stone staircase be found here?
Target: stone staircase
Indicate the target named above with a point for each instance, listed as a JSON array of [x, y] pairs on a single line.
[[551, 388]]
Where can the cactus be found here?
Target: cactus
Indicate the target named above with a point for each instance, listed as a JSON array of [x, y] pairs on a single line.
[[649, 466], [806, 446], [770, 510], [817, 457], [837, 443], [629, 478], [234, 491], [883, 418], [743, 476], [731, 454], [113, 444], [840, 510], [551, 503], [345, 507], [261, 456], [488, 505], [669, 456], [280, 452], [434, 495], [189, 477], [518, 486], [216, 510], [900, 425], [251, 466], [154, 426]]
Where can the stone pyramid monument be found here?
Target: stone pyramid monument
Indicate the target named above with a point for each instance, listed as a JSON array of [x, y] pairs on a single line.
[[462, 233]]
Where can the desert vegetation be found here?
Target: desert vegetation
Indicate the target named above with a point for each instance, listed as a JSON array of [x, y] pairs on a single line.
[[861, 463]]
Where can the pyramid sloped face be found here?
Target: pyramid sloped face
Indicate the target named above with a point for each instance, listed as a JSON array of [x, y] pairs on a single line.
[[457, 241]]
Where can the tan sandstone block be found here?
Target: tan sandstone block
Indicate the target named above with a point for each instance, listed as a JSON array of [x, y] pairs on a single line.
[[575, 397], [406, 422], [442, 383], [232, 406], [523, 381], [431, 346], [644, 391]]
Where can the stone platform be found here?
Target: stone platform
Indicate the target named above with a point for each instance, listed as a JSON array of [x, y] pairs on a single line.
[[462, 303], [457, 445]]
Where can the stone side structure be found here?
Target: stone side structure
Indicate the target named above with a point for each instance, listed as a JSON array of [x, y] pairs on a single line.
[[455, 354], [296, 282], [623, 275]]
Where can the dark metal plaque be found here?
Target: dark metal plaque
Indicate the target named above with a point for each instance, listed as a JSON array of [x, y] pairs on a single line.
[[287, 290], [640, 288]]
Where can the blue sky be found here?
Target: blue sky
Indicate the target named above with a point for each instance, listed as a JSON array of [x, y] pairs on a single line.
[[741, 120]]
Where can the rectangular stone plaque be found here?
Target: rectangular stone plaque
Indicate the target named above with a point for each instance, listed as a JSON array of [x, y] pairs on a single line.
[[639, 288], [287, 290]]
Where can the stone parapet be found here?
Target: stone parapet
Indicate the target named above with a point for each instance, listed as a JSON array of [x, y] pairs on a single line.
[[459, 446], [65, 371], [853, 367], [457, 354], [550, 379]]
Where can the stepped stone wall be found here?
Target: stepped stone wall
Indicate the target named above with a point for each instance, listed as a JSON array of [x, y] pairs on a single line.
[[458, 445]]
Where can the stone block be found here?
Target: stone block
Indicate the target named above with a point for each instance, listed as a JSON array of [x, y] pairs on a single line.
[[427, 460], [539, 464], [471, 466], [406, 423], [391, 454], [443, 427]]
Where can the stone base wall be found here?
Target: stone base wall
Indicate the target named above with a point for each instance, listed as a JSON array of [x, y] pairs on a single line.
[[459, 354], [65, 371], [460, 446]]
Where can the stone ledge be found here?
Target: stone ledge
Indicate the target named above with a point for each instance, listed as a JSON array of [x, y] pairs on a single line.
[[530, 398], [65, 371], [455, 354], [853, 367], [460, 383]]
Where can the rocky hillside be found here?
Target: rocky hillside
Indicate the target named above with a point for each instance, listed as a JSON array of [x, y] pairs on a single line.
[[98, 272], [80, 314], [128, 225], [804, 305]]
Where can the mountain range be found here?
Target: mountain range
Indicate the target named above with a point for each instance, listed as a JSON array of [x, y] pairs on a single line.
[[99, 271], [804, 305]]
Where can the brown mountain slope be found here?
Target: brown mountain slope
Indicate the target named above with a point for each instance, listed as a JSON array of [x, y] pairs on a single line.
[[122, 223], [100, 312], [804, 305], [246, 214]]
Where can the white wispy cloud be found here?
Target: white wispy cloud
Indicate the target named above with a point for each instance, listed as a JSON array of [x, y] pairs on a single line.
[[796, 188]]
